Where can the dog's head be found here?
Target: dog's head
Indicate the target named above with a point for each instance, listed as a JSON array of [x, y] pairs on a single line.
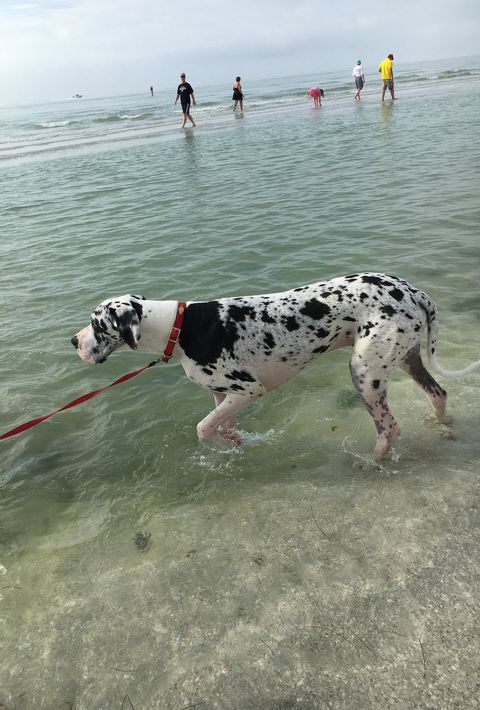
[[115, 322]]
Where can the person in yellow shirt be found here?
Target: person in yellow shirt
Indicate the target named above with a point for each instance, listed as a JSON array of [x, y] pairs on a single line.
[[386, 70]]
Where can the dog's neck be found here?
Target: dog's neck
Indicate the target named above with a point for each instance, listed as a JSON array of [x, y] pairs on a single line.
[[157, 321]]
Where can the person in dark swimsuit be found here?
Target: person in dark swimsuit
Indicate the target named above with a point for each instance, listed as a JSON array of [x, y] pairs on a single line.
[[237, 94], [185, 93]]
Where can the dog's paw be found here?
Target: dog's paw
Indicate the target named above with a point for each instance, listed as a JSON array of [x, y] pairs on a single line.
[[232, 436], [431, 420]]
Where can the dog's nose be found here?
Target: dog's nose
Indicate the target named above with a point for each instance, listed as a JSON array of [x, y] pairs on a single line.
[[74, 342]]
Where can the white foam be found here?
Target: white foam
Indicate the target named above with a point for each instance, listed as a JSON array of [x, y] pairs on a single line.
[[54, 124]]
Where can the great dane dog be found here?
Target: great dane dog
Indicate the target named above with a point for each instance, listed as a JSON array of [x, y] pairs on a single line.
[[240, 348]]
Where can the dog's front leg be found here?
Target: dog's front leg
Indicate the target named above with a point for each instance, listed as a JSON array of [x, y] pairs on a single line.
[[221, 423], [228, 428]]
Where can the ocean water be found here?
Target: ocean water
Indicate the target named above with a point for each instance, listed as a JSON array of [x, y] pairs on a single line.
[[293, 572]]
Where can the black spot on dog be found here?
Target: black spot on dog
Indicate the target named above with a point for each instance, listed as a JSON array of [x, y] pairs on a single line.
[[113, 318], [100, 325], [388, 310], [267, 318], [240, 313], [241, 375], [397, 294], [321, 349], [322, 333], [376, 384], [369, 279], [269, 340], [349, 318], [138, 308], [367, 328], [314, 309], [99, 337], [291, 323], [125, 322], [204, 336]]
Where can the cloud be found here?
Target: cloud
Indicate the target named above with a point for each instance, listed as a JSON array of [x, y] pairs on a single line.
[[50, 47]]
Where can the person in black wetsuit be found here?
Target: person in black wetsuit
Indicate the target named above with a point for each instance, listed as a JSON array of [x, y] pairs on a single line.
[[185, 93], [237, 93]]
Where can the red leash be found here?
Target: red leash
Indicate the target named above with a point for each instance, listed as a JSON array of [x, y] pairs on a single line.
[[73, 403], [167, 354]]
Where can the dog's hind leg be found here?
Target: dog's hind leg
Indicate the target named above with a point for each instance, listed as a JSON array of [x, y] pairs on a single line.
[[371, 384], [413, 366]]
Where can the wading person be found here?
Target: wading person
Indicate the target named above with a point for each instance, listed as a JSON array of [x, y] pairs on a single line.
[[359, 77], [316, 93], [237, 93], [185, 94], [386, 70]]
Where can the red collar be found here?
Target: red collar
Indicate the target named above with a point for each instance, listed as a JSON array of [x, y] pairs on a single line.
[[175, 332]]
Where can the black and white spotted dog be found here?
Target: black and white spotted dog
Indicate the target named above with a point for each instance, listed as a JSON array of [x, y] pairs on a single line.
[[240, 348]]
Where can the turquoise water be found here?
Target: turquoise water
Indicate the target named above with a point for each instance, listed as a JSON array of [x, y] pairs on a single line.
[[252, 549]]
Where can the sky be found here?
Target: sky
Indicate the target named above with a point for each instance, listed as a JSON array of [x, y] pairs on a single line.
[[52, 49]]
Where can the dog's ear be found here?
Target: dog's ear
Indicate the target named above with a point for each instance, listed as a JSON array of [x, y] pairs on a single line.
[[127, 321]]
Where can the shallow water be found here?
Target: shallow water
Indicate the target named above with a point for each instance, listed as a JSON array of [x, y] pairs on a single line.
[[280, 572]]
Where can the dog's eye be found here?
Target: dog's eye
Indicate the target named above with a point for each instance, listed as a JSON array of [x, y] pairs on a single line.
[[99, 326]]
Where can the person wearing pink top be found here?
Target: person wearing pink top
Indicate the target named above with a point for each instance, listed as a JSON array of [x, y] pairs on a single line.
[[316, 93]]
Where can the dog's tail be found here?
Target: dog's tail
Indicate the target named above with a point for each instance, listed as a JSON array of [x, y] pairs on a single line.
[[432, 336]]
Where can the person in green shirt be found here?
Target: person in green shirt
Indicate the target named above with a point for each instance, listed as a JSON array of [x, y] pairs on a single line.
[[386, 70]]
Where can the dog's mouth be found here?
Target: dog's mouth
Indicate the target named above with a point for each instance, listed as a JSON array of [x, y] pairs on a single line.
[[96, 357], [90, 358]]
